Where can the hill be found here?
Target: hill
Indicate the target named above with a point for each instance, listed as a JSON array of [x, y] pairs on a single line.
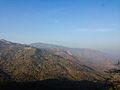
[[29, 63]]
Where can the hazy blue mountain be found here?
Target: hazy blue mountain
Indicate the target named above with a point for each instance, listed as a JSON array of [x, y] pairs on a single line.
[[44, 45]]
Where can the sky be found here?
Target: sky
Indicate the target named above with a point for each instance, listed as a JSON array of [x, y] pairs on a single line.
[[73, 23]]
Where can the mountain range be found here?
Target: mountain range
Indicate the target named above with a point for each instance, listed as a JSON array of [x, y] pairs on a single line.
[[38, 61]]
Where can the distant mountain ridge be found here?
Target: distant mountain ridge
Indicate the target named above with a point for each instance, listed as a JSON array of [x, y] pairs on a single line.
[[44, 45]]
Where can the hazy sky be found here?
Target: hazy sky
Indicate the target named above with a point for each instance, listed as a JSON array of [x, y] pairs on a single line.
[[73, 23]]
